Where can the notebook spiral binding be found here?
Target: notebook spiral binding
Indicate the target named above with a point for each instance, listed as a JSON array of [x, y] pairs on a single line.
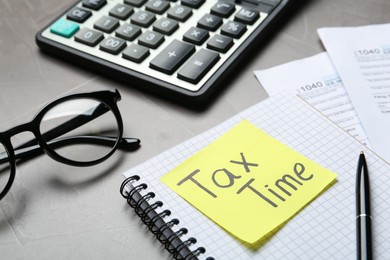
[[162, 229]]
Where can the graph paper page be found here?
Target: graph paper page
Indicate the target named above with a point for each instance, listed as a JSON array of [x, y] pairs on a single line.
[[326, 228]]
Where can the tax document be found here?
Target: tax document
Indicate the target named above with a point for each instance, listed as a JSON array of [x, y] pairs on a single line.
[[361, 56], [316, 81]]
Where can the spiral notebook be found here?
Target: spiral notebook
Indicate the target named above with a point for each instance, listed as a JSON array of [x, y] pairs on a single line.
[[324, 229]]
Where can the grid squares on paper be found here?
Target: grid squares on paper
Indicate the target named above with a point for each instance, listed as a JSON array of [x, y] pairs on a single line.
[[325, 228]]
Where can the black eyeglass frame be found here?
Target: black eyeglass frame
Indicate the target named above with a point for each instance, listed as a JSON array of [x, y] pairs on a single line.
[[108, 98]]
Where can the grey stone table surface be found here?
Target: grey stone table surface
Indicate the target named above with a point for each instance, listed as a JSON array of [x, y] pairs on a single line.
[[54, 211]]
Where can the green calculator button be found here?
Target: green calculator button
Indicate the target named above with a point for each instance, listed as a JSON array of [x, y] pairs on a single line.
[[64, 28]]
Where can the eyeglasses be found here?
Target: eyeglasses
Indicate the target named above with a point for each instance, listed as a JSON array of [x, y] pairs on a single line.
[[68, 130]]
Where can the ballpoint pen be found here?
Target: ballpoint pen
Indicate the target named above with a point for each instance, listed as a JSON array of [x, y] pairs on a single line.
[[363, 211]]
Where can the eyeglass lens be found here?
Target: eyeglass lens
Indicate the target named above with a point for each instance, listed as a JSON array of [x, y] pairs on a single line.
[[92, 119]]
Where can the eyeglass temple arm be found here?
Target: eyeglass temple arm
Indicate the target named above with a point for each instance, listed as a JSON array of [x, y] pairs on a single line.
[[127, 144], [68, 126]]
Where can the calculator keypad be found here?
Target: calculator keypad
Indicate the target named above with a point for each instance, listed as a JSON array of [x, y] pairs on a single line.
[[180, 42]]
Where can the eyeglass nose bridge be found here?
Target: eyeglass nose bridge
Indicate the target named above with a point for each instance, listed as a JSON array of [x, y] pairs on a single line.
[[6, 140], [30, 127], [26, 127]]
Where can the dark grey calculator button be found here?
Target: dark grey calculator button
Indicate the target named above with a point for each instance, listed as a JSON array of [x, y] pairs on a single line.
[[175, 54], [199, 64], [128, 31], [165, 25], [88, 37], [151, 39], [94, 4], [179, 12], [220, 43], [106, 24], [112, 45], [78, 14], [121, 11], [193, 3], [210, 22], [196, 35], [136, 53], [136, 3], [247, 16], [223, 9], [143, 18], [157, 6], [233, 29]]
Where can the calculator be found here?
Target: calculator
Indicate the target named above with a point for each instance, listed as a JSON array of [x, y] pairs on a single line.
[[184, 49]]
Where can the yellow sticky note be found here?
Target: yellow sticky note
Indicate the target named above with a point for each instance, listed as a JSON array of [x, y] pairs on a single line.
[[248, 182]]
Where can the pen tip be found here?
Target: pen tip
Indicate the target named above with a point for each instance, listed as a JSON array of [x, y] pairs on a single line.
[[361, 152]]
